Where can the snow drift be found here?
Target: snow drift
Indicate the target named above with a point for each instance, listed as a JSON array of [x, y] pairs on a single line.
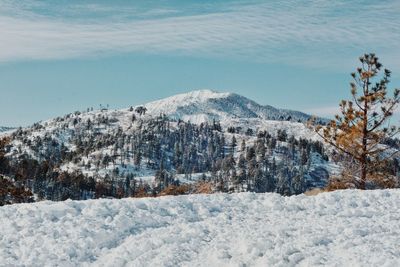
[[346, 228]]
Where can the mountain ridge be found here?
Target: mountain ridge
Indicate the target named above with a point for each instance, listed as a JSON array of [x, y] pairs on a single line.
[[4, 128], [206, 105]]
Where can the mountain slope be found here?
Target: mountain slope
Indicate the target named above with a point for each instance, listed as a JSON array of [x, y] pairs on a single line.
[[242, 146], [343, 228], [206, 105]]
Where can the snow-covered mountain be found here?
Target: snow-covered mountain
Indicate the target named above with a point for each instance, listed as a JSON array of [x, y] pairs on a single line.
[[206, 105], [232, 110], [231, 141], [229, 109]]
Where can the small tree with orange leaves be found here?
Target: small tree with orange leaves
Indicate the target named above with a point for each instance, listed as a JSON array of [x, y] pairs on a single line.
[[364, 121]]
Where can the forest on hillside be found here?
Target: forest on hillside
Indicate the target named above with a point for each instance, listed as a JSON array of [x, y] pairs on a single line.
[[173, 150]]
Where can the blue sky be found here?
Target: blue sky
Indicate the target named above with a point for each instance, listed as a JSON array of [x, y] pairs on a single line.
[[60, 56]]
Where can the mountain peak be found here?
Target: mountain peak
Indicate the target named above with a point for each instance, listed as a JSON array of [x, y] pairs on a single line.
[[197, 96], [207, 105], [171, 104]]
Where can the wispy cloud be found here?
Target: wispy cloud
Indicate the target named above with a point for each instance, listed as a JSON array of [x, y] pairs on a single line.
[[313, 33]]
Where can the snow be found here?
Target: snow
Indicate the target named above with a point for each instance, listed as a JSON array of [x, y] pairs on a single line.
[[343, 228], [228, 108], [170, 104], [5, 131]]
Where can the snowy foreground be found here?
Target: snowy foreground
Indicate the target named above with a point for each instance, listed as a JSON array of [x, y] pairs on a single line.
[[347, 228]]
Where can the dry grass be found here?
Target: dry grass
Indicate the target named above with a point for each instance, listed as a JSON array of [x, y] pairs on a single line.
[[204, 188], [315, 191], [197, 188], [174, 190]]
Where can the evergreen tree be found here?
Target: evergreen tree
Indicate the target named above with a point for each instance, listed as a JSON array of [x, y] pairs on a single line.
[[243, 145], [363, 124], [233, 145]]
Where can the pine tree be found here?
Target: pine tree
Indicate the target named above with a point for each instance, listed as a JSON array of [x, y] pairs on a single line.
[[242, 172], [363, 124], [137, 158], [243, 145], [298, 182], [233, 144]]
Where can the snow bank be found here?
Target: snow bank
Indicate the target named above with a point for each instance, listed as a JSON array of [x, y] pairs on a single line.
[[347, 228]]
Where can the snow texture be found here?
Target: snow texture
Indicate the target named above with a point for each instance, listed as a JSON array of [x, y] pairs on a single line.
[[343, 228]]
